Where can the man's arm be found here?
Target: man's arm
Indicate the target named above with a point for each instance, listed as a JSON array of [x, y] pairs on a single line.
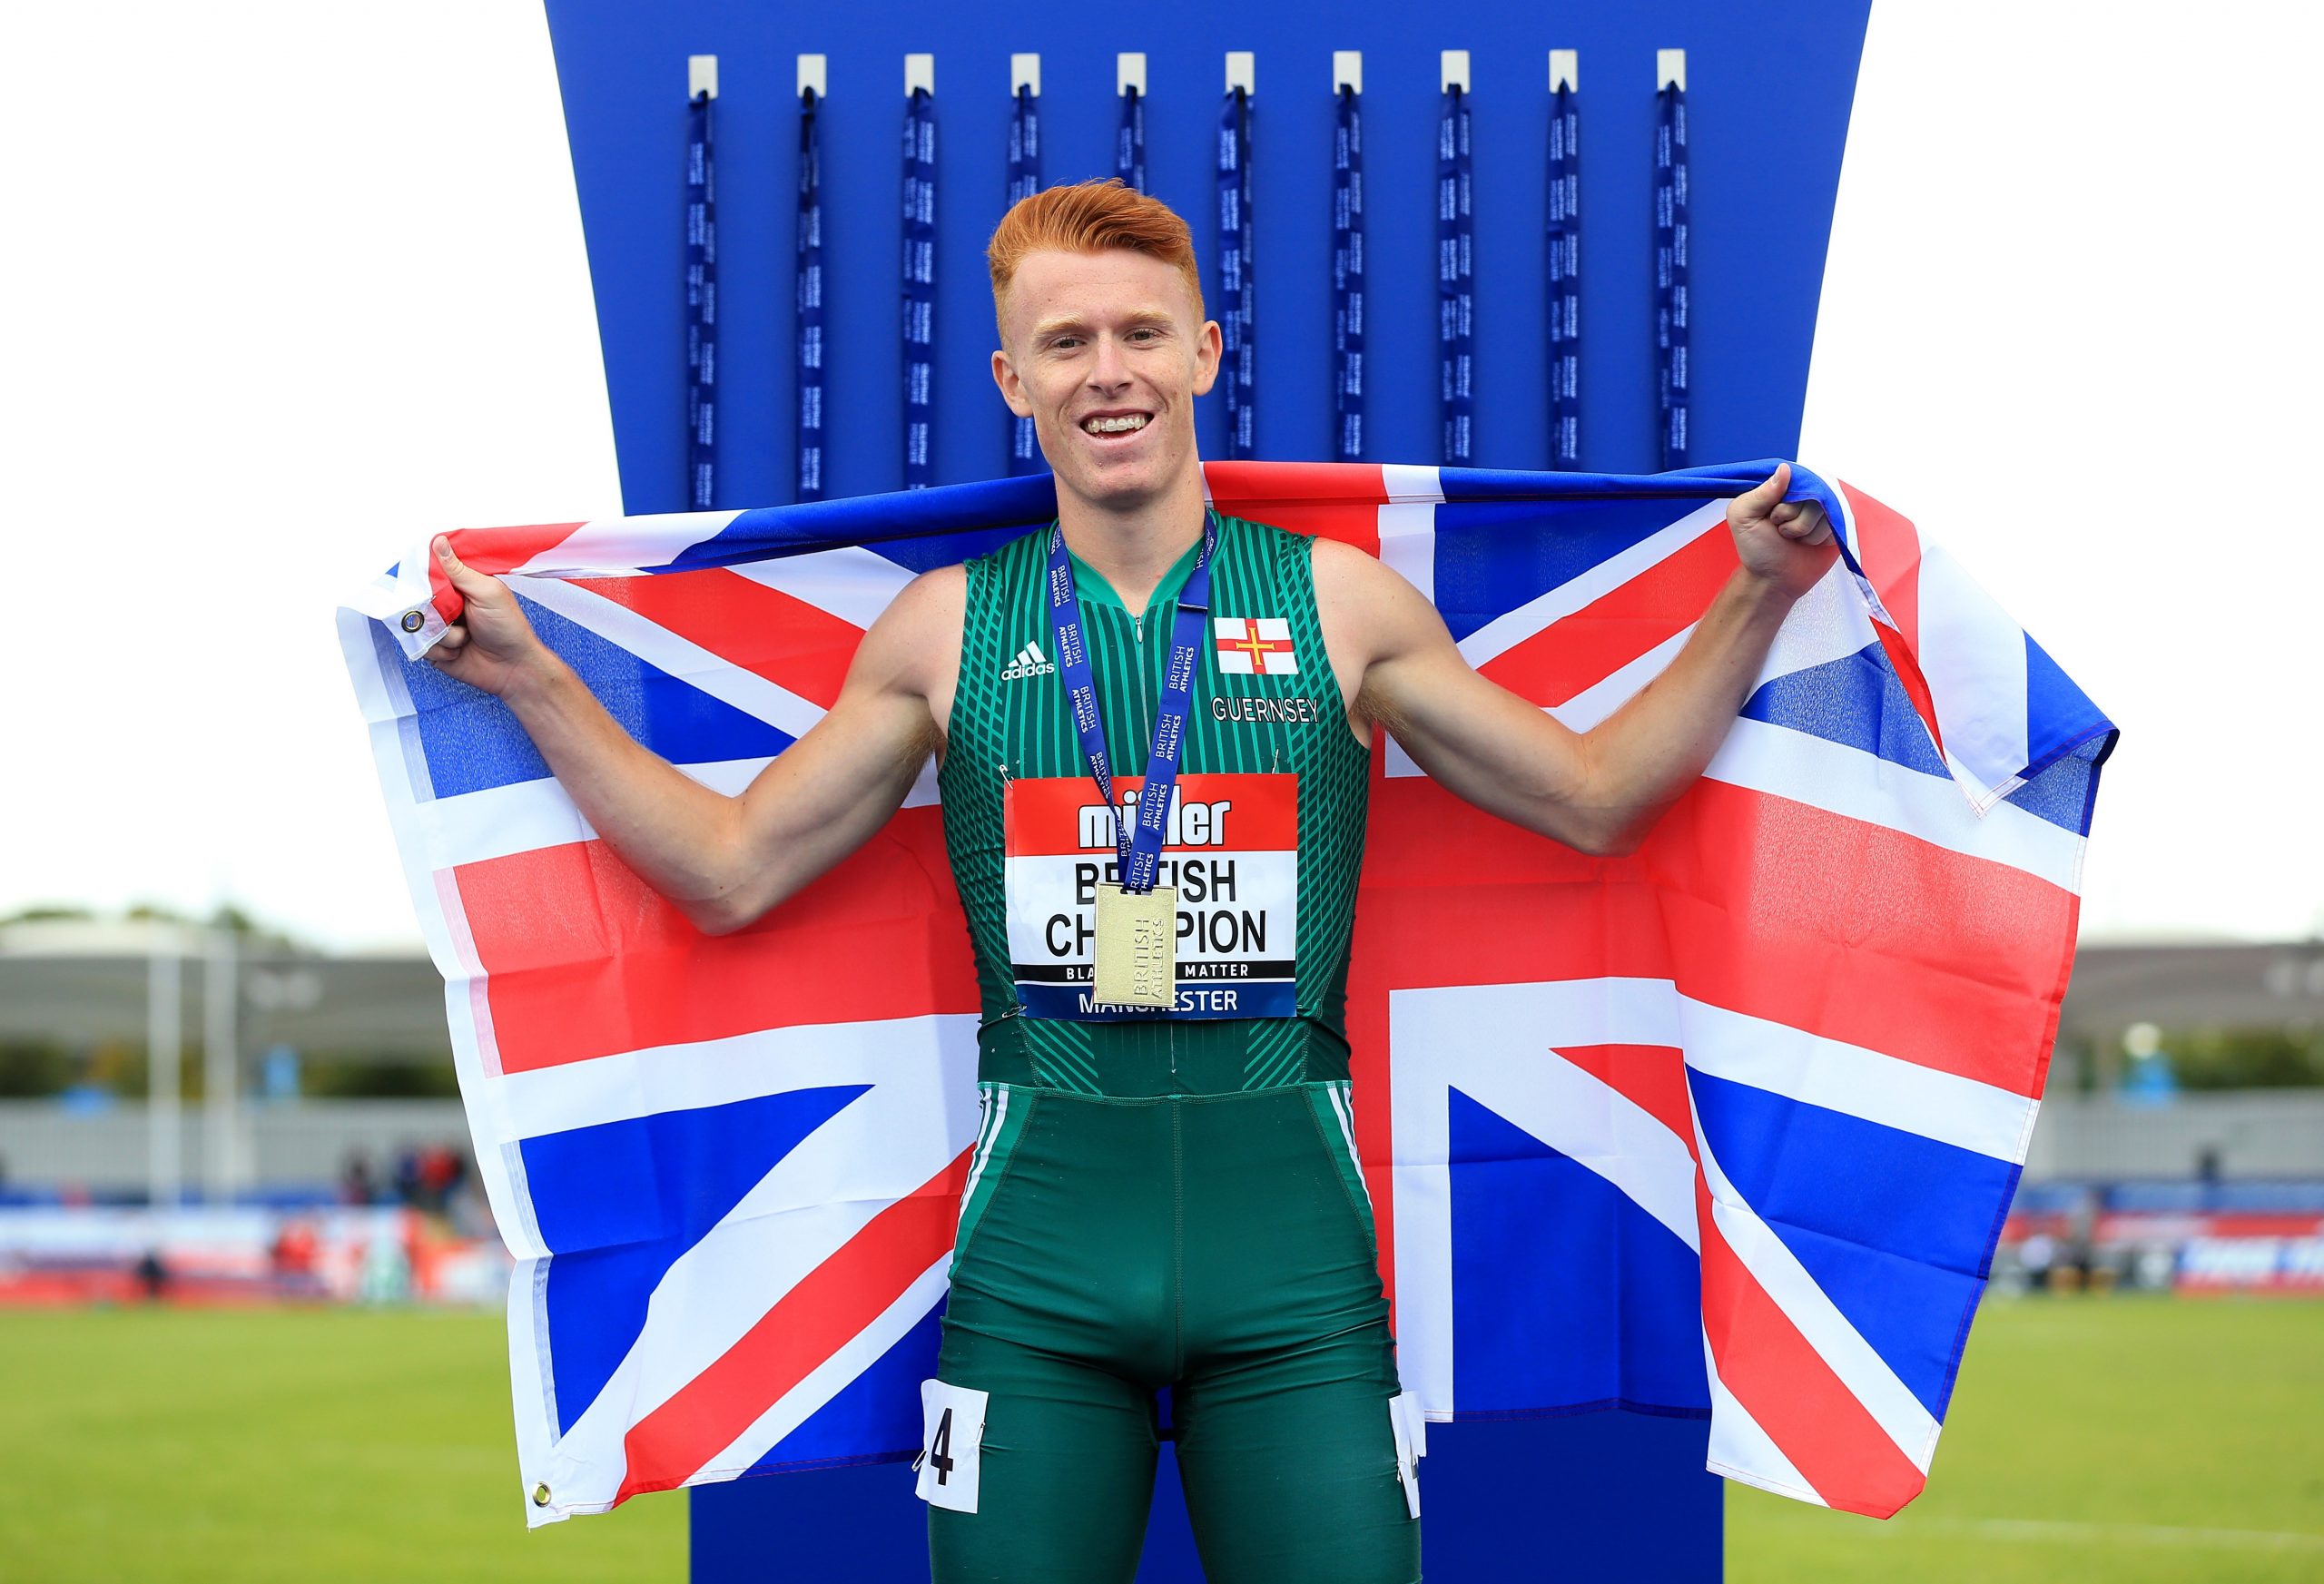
[[1599, 792], [724, 860]]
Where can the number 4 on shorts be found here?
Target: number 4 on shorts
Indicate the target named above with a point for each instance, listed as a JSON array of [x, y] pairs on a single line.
[[951, 1442]]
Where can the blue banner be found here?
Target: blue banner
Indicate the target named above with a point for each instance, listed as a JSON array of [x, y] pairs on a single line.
[[1347, 280], [920, 288], [1670, 271], [808, 307], [1455, 254], [1565, 278], [1024, 181], [701, 308], [1129, 142], [1235, 299]]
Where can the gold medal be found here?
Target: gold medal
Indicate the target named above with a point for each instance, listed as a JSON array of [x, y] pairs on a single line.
[[1137, 947]]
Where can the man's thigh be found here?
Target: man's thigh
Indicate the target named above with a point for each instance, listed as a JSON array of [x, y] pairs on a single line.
[[1294, 1481], [1066, 1471]]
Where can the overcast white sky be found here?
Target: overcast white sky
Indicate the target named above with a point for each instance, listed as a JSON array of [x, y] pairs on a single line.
[[312, 323]]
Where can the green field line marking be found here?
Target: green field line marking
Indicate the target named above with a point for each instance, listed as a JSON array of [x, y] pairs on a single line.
[[2070, 1529]]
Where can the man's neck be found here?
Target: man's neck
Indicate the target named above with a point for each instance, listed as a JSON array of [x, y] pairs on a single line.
[[1133, 550]]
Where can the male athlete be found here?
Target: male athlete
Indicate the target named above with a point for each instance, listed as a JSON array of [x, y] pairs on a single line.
[[1164, 1191]]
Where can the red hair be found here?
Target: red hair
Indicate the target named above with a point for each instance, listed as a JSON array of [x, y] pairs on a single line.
[[1091, 217]]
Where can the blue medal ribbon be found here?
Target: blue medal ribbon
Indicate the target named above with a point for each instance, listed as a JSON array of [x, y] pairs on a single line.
[[920, 290], [1347, 278], [701, 308], [1565, 279], [1670, 272], [1024, 181], [1138, 851], [1129, 142], [808, 317], [1455, 306], [1236, 298]]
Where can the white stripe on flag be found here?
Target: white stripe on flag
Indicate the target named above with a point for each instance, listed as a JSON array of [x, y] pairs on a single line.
[[1497, 1045], [852, 583], [1860, 1366], [1812, 770], [798, 1215], [1407, 525], [1508, 630], [1740, 1450], [1848, 1079], [656, 645], [829, 1378], [1973, 657], [937, 1052], [612, 545]]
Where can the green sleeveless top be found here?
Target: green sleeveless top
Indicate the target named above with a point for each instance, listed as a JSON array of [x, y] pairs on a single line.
[[1263, 848]]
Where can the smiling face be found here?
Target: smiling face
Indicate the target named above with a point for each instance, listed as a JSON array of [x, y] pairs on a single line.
[[1105, 352]]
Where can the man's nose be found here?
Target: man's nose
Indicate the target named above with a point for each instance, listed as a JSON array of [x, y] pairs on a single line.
[[1110, 370]]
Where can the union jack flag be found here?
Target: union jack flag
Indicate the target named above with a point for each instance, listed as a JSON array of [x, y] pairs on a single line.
[[1727, 1127]]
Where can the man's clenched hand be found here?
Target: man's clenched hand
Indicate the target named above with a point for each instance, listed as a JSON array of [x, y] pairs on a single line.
[[492, 646], [1787, 544]]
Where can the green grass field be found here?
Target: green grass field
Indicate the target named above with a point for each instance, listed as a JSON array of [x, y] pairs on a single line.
[[2120, 1440]]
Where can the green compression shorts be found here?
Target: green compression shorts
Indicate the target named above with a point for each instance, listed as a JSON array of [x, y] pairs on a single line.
[[1221, 1245]]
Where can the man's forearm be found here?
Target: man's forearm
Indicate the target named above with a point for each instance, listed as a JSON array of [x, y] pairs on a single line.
[[679, 835], [1645, 755]]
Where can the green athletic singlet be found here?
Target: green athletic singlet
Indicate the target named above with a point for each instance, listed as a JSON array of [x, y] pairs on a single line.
[[1163, 1200]]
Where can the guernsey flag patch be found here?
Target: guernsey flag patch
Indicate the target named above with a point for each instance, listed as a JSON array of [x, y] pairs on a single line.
[[1253, 646]]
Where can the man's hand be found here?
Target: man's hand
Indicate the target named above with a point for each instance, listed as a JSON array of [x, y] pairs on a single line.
[[492, 646], [1786, 543]]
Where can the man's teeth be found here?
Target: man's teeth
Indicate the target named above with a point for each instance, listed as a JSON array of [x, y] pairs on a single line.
[[1116, 425]]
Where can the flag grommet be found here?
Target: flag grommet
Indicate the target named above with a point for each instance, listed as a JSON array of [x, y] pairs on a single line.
[[540, 1496], [413, 621]]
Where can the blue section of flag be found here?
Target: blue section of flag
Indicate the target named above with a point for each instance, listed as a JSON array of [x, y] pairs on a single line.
[[473, 742], [2064, 791], [1858, 701], [1493, 556], [1897, 1229], [1563, 1290], [628, 1198], [876, 1415]]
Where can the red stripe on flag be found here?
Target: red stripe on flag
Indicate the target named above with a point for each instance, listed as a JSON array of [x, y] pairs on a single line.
[[1340, 500], [492, 551], [829, 1308], [1747, 902], [1653, 1077], [1786, 1385], [1888, 547], [1577, 652], [795, 646], [582, 959]]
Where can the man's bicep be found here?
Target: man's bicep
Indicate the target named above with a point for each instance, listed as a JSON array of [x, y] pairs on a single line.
[[1478, 740]]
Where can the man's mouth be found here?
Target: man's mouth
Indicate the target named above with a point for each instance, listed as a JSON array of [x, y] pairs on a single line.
[[1115, 423]]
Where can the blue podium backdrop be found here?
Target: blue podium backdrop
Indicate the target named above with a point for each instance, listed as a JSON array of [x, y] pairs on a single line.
[[1768, 92]]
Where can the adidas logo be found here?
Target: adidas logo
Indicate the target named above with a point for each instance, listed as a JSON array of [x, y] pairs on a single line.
[[1028, 663]]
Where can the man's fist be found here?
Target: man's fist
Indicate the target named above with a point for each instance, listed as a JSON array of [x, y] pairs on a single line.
[[1788, 542], [492, 646]]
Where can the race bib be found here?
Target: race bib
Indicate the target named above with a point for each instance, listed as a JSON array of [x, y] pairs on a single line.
[[1230, 851]]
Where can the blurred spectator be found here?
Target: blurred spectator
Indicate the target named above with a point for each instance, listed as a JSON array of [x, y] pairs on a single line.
[[356, 1184], [407, 1176], [152, 1275], [2036, 1254]]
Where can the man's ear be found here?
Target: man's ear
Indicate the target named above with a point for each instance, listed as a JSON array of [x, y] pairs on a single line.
[[1209, 348], [1012, 390]]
